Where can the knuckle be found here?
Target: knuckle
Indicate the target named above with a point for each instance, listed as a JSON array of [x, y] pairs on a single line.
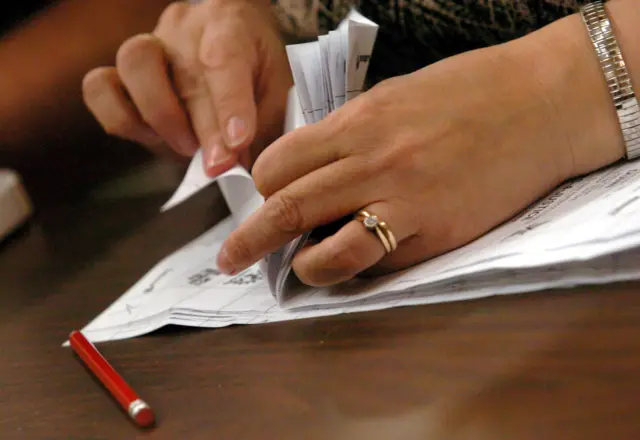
[[365, 106], [218, 51], [386, 85], [230, 100], [173, 14], [187, 71], [362, 116], [189, 84], [95, 83], [117, 123], [404, 154], [401, 155], [224, 41], [380, 95], [285, 212], [346, 261], [136, 51]]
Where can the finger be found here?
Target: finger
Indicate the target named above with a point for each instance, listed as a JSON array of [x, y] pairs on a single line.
[[104, 95], [353, 249], [142, 66], [226, 53], [415, 249], [294, 155], [217, 158], [313, 200], [272, 105], [308, 148]]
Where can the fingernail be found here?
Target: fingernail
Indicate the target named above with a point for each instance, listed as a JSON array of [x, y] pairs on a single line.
[[236, 131], [224, 265], [216, 155]]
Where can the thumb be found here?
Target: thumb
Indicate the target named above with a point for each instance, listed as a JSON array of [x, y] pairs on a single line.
[[228, 56]]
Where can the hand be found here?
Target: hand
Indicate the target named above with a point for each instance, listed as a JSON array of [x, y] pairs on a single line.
[[212, 74], [441, 155]]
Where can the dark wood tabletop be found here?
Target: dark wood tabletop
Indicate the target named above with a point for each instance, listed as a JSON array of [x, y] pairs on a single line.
[[550, 365]]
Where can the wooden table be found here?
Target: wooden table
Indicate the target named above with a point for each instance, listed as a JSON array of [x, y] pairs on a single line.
[[555, 365]]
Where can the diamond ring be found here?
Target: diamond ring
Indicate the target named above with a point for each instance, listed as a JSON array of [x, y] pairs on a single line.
[[373, 224]]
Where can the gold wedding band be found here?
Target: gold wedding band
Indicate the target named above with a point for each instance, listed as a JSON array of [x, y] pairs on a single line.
[[380, 228]]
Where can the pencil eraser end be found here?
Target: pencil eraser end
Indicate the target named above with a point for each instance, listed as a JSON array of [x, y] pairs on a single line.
[[145, 418]]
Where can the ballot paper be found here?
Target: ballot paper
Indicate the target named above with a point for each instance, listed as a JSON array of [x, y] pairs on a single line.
[[587, 231]]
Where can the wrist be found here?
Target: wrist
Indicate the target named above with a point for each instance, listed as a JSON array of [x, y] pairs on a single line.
[[561, 62]]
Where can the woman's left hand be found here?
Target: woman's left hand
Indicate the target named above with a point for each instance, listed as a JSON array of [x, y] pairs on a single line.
[[441, 155]]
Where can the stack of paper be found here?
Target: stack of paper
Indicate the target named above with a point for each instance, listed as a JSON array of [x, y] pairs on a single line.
[[332, 70], [587, 231]]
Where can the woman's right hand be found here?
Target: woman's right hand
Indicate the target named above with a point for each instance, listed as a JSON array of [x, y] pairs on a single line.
[[212, 74]]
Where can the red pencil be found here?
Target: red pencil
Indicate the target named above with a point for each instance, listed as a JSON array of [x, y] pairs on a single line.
[[137, 409]]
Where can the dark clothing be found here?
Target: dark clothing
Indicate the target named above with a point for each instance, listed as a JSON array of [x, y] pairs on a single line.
[[416, 33]]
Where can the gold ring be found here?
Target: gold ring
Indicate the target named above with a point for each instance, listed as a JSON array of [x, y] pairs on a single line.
[[380, 228]]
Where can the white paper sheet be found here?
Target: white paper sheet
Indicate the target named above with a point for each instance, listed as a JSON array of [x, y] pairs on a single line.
[[360, 36], [587, 231]]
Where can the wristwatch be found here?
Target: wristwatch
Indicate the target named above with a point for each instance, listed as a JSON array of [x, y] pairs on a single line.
[[615, 72]]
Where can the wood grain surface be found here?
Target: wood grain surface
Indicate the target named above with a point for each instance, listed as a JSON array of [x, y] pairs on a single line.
[[550, 365]]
